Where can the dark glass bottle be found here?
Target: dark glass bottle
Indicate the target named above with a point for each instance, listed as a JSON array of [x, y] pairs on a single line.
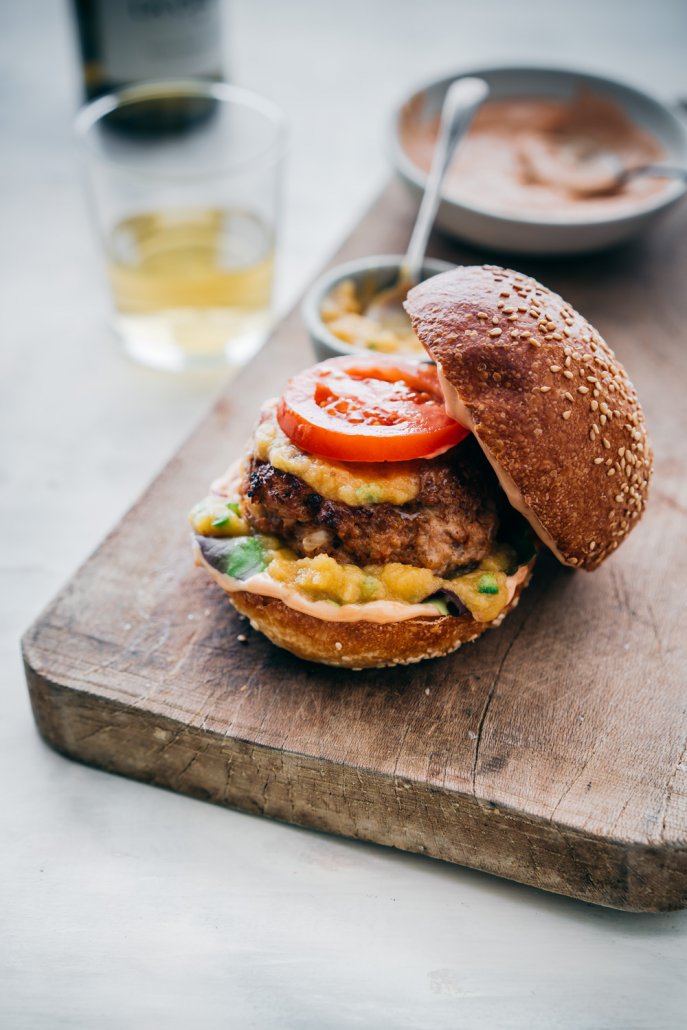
[[128, 41]]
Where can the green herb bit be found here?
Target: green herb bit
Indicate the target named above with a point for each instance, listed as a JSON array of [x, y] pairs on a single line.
[[233, 507], [369, 587], [221, 520], [367, 495], [486, 584], [246, 558], [440, 605]]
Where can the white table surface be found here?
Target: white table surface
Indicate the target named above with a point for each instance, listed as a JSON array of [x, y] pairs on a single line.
[[126, 906]]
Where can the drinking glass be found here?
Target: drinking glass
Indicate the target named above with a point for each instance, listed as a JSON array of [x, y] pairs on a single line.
[[184, 180]]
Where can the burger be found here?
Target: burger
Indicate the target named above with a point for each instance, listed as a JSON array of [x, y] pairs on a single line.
[[389, 510]]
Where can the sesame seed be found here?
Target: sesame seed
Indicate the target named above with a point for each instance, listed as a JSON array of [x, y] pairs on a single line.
[[482, 314], [606, 443], [568, 374], [583, 389], [508, 310], [602, 420], [594, 405], [504, 293], [566, 414], [554, 368], [512, 318], [534, 342], [567, 360], [592, 545], [494, 332], [568, 396], [495, 320], [544, 389], [556, 336], [522, 307], [598, 461], [611, 472]]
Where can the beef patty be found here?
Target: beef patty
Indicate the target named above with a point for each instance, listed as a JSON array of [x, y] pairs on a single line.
[[450, 524]]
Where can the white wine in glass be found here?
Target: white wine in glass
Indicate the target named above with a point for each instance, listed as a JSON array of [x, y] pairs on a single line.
[[191, 287]]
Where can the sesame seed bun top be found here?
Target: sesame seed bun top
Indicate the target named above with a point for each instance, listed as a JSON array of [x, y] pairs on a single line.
[[548, 401]]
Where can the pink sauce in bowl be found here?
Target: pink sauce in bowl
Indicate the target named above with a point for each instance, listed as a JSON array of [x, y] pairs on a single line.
[[542, 157]]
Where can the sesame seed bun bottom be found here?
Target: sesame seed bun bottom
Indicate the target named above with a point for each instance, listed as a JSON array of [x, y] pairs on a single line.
[[363, 645]]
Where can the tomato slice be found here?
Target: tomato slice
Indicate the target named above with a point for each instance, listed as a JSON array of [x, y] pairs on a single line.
[[368, 409]]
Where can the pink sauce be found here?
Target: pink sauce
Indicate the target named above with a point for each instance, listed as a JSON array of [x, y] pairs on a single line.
[[540, 157]]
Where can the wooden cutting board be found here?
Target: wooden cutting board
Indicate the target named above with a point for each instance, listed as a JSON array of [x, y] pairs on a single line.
[[552, 751]]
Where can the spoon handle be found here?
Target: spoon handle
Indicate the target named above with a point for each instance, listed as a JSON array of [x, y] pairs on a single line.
[[666, 171], [462, 100]]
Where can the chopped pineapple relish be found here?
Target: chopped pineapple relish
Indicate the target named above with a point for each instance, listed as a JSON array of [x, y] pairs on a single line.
[[215, 516], [483, 590]]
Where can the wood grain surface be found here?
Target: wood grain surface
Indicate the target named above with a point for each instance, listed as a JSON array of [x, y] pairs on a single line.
[[553, 751]]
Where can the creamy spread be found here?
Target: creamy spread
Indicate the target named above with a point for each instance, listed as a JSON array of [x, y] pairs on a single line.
[[353, 484], [542, 157]]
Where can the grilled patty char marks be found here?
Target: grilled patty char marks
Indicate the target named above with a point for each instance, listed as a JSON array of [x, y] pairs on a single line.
[[452, 523]]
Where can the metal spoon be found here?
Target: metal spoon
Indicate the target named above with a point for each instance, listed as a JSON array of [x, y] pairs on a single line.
[[621, 174], [462, 100], [603, 172], [582, 169]]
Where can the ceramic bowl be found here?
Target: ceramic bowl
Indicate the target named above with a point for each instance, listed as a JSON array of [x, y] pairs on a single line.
[[370, 275], [544, 234]]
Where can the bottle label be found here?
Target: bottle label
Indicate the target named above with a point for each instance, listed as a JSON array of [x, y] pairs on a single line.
[[150, 39]]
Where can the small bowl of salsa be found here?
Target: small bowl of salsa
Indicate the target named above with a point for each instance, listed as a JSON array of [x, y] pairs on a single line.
[[335, 309], [532, 173]]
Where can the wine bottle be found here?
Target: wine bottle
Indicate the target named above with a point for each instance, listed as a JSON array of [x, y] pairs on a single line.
[[128, 41]]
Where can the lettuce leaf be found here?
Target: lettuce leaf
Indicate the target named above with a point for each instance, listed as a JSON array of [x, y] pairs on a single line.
[[239, 557]]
